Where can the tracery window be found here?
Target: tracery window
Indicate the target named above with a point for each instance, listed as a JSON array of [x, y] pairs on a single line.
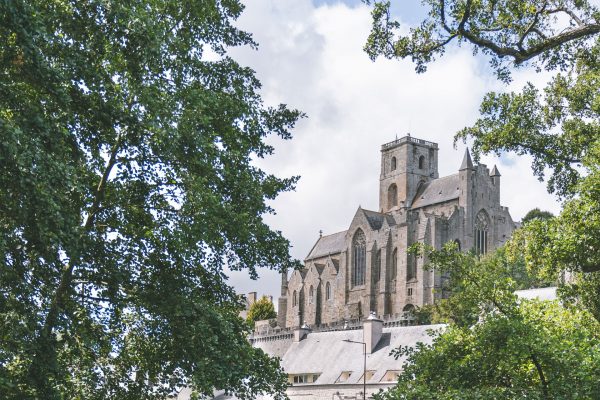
[[359, 258], [394, 265], [376, 272], [482, 223], [328, 291], [392, 195]]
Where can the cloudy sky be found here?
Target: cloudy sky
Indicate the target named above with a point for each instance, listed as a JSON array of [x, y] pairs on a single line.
[[310, 57]]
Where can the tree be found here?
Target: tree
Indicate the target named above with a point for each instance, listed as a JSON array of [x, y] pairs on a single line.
[[536, 213], [126, 186], [260, 310], [498, 346]]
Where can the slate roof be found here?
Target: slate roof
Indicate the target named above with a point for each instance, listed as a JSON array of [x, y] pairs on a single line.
[[375, 219], [438, 191], [548, 293], [307, 356], [328, 244]]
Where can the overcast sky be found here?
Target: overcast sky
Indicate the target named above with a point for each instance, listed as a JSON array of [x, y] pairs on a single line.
[[310, 57]]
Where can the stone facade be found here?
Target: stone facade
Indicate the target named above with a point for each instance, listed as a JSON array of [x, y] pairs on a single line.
[[367, 267]]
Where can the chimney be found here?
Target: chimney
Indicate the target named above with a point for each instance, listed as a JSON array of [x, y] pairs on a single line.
[[300, 333], [372, 330]]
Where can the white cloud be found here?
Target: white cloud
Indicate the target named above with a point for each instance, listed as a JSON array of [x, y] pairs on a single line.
[[311, 58]]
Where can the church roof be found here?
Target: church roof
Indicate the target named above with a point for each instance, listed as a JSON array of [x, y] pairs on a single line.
[[328, 244], [376, 219], [438, 191]]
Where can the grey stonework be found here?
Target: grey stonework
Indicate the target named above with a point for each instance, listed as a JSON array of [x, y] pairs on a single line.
[[415, 205]]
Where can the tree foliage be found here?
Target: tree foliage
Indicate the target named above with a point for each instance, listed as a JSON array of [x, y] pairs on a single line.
[[536, 213], [551, 31], [126, 185], [497, 346], [260, 310]]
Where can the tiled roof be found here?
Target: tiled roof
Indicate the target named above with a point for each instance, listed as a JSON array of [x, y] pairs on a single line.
[[438, 191], [548, 293], [306, 356], [328, 244]]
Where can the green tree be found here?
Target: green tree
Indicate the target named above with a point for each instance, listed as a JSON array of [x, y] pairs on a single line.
[[536, 213], [260, 310], [126, 186], [497, 346]]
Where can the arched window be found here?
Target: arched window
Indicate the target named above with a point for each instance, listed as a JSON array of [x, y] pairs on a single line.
[[359, 258], [328, 291], [295, 299], [393, 164], [422, 162], [482, 224], [392, 195], [376, 272], [311, 295], [394, 265], [411, 268]]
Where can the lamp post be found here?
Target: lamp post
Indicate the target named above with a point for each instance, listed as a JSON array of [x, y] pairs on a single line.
[[364, 365]]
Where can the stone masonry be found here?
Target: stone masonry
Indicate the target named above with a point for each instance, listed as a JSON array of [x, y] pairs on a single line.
[[367, 267]]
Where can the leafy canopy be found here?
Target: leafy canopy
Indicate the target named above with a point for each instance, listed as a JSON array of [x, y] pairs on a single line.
[[260, 310], [126, 186], [498, 346], [536, 213]]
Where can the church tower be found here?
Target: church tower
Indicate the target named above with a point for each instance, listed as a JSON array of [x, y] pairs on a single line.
[[405, 164]]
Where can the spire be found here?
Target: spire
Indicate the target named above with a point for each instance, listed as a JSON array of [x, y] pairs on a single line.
[[466, 163], [495, 172]]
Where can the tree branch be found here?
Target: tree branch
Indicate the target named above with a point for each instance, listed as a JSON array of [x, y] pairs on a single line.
[[540, 372], [44, 341]]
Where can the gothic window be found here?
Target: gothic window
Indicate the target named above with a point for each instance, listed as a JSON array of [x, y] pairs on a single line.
[[311, 295], [328, 291], [411, 269], [392, 195], [295, 299], [393, 168], [377, 267], [359, 258], [482, 224], [422, 162], [394, 265]]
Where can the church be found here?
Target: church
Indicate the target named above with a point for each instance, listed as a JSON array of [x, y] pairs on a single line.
[[367, 269]]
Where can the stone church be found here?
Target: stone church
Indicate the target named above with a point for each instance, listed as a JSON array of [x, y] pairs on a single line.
[[367, 268]]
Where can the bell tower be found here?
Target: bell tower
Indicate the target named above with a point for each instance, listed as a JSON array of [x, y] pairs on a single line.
[[405, 164]]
